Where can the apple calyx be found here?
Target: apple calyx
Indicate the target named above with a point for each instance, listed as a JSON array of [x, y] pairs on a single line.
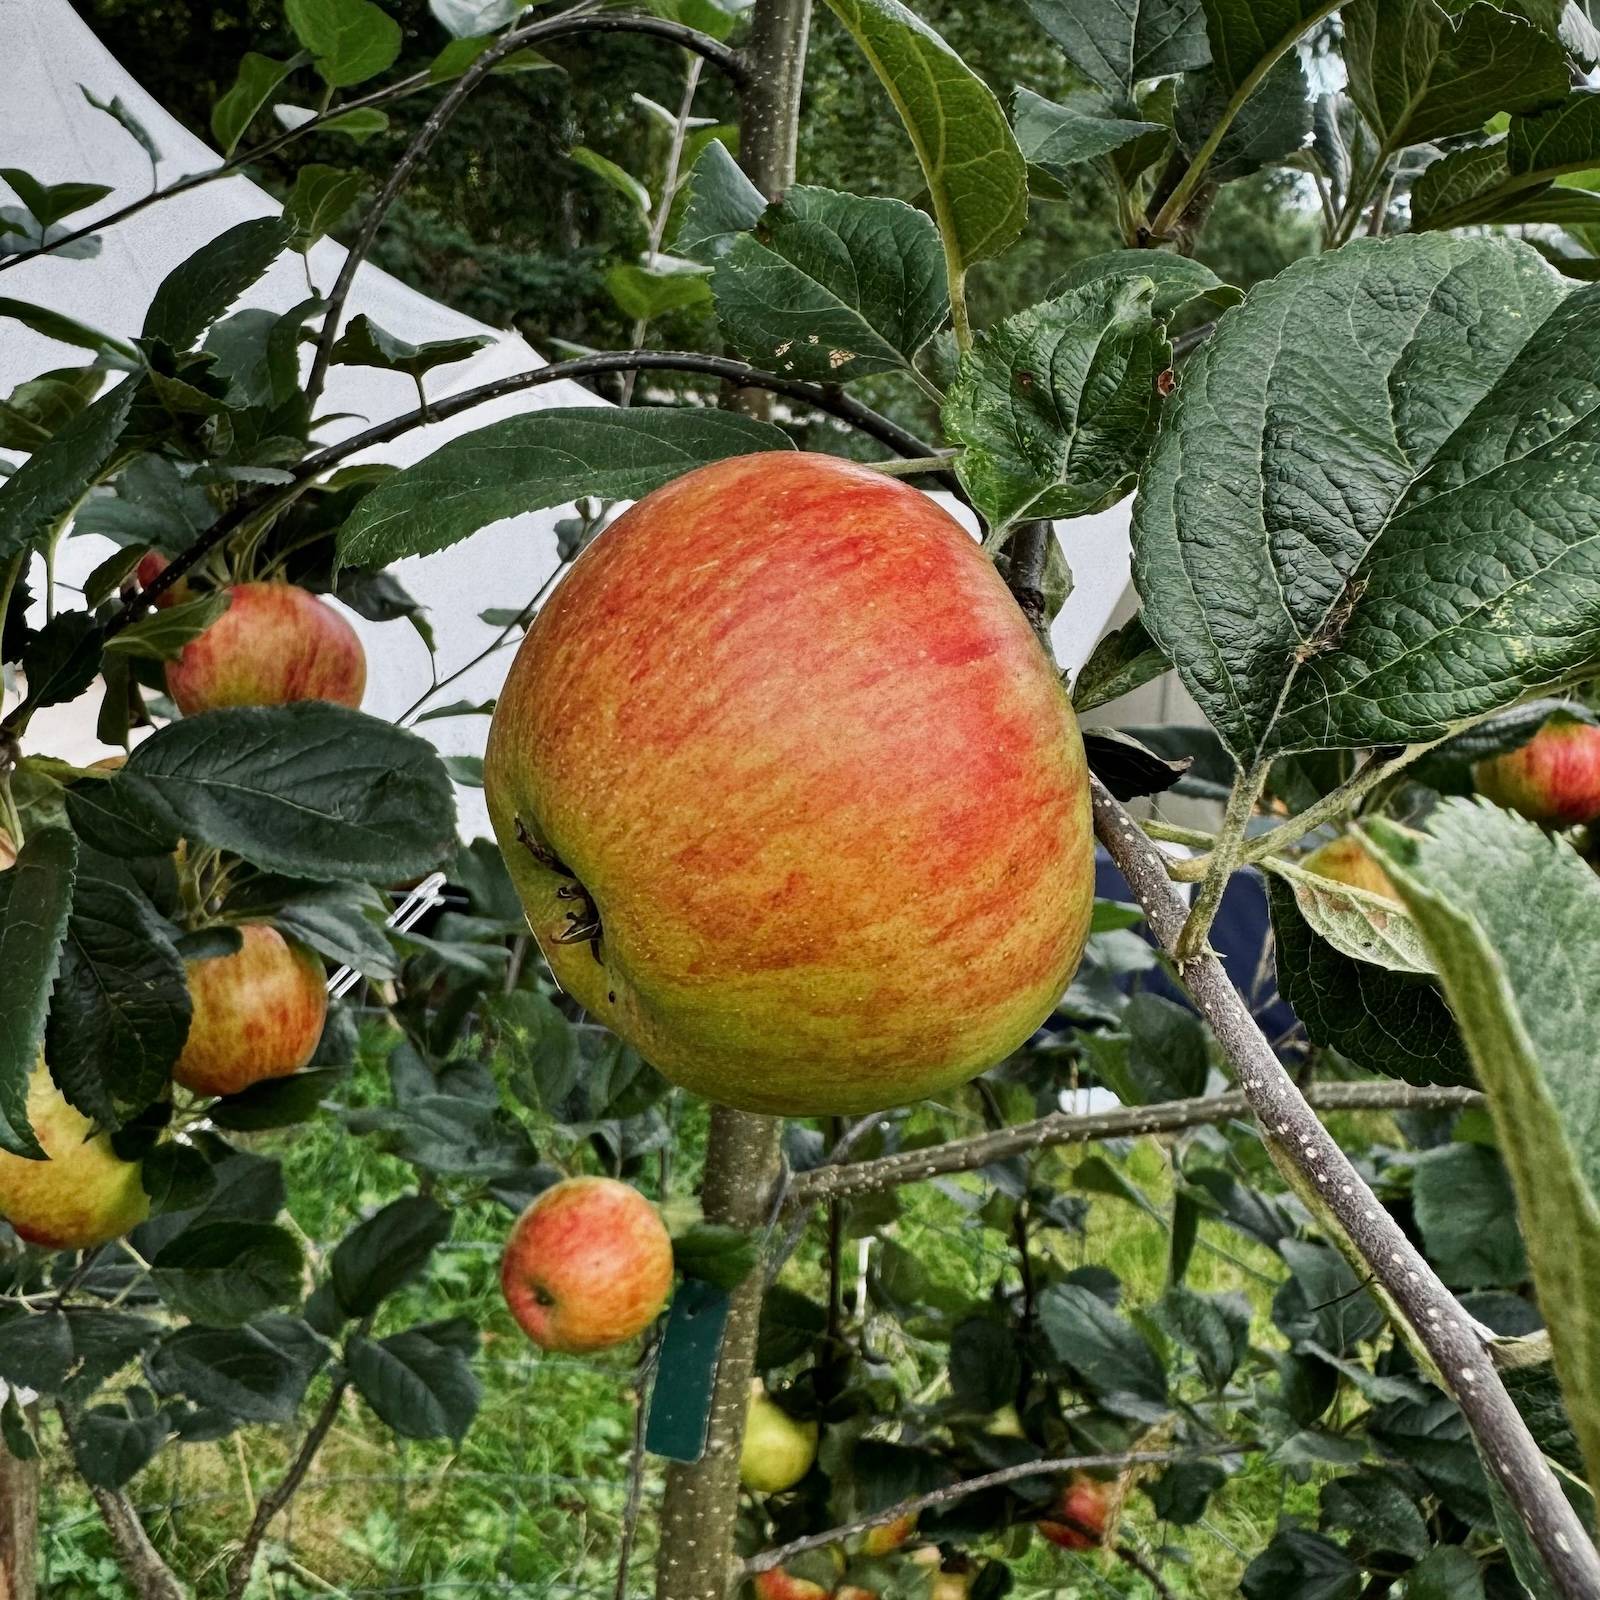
[[583, 922]]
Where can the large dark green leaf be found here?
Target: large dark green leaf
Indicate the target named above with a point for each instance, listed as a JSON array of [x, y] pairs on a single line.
[[120, 1012], [1247, 36], [1179, 280], [1377, 1512], [110, 1443], [35, 897], [977, 179], [1464, 1205], [254, 1373], [1523, 991], [1117, 43], [722, 204], [311, 790], [1215, 1326], [1057, 135], [386, 1251], [1419, 74], [539, 459], [1395, 1023], [1057, 405], [1274, 123], [224, 1273], [40, 494], [421, 1381], [1282, 560], [832, 286], [197, 291], [1322, 1303], [1111, 1356], [1303, 1565]]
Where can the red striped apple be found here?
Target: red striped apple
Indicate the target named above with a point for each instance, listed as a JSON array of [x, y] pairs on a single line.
[[1554, 779], [258, 1013], [151, 565], [588, 1266], [273, 645], [83, 1195], [1081, 1507], [887, 1537], [776, 1584], [793, 798]]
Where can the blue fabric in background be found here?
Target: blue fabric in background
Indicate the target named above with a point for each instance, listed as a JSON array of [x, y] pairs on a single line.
[[1239, 936]]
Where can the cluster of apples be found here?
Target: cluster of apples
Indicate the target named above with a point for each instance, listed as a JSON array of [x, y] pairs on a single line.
[[258, 1012]]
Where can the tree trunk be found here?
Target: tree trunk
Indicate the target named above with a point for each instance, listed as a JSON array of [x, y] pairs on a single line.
[[19, 1525], [695, 1561]]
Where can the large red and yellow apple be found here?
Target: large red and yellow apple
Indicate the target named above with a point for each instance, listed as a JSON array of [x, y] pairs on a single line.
[[1347, 860], [887, 1537], [1554, 779], [258, 1013], [793, 798], [588, 1266], [776, 1584], [273, 645], [778, 1449], [1078, 1519], [84, 1194]]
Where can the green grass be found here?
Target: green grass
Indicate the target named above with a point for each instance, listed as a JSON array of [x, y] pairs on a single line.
[[531, 1502]]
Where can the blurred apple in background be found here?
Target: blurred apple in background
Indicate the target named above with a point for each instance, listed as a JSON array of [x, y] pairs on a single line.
[[1554, 779]]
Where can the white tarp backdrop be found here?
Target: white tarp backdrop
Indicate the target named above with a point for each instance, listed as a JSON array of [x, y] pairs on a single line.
[[49, 129]]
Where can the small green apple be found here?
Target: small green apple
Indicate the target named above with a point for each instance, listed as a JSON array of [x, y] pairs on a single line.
[[778, 1450]]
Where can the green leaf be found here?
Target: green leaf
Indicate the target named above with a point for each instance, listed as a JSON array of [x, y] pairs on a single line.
[[66, 330], [350, 40], [722, 204], [1215, 1326], [117, 109], [62, 658], [716, 1252], [161, 635], [386, 1252], [37, 498], [618, 179], [111, 1443], [364, 344], [254, 1373], [1419, 74], [1466, 418], [1118, 43], [361, 123], [311, 790], [1304, 1565], [1247, 35], [1058, 404], [275, 1102], [120, 1012], [1123, 660], [1167, 1049], [984, 1366], [1111, 1356], [536, 460], [1057, 135], [259, 76], [42, 406], [1178, 280], [223, 1273], [1527, 1008], [343, 923], [1377, 1512], [197, 291], [832, 286], [319, 200], [1388, 1022], [1464, 1205], [420, 1382], [1323, 1303], [1274, 123], [977, 179], [50, 202], [647, 292], [1183, 1491], [1356, 922], [1447, 1572], [35, 898]]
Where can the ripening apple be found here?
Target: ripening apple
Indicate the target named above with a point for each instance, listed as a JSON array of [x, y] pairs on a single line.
[[258, 1013], [588, 1266], [8, 851], [1554, 779], [950, 1585], [778, 1449], [776, 1584], [1081, 1507], [854, 1591], [84, 1194], [1347, 860], [887, 1537], [151, 565], [793, 798], [275, 644]]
